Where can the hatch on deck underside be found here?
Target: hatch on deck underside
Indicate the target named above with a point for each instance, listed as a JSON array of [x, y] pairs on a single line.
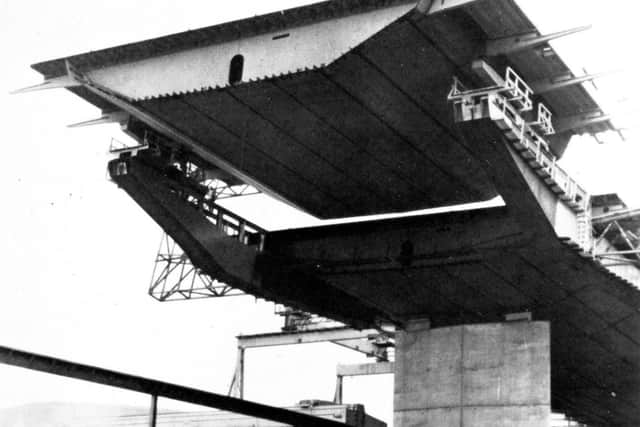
[[369, 133], [364, 135]]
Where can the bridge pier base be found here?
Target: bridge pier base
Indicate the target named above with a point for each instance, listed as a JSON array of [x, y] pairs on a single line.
[[485, 375]]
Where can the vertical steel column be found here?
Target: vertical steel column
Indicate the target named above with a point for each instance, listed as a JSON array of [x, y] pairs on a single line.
[[240, 377], [153, 412], [337, 399]]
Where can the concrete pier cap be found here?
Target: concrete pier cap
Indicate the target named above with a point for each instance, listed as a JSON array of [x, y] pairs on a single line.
[[478, 375]]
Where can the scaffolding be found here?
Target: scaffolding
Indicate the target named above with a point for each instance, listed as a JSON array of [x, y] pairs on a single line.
[[176, 278], [617, 237]]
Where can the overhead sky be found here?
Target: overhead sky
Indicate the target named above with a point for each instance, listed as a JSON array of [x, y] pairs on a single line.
[[77, 253]]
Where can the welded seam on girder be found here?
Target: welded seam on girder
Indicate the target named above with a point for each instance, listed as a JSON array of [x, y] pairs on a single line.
[[429, 116], [621, 281], [477, 290], [248, 142], [395, 132], [308, 148], [576, 296], [573, 326], [591, 381], [359, 148], [415, 102]]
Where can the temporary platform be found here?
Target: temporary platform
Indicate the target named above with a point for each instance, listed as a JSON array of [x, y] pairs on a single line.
[[347, 108]]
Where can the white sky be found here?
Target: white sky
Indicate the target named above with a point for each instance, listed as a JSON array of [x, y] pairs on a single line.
[[77, 253]]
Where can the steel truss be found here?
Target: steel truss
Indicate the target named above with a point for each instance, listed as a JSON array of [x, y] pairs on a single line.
[[176, 278], [221, 190], [174, 275], [625, 242]]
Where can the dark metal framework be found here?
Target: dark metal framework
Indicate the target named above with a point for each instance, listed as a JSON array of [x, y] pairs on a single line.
[[174, 275], [619, 228], [176, 278], [222, 190]]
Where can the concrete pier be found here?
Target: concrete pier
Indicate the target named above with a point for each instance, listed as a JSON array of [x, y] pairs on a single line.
[[485, 375]]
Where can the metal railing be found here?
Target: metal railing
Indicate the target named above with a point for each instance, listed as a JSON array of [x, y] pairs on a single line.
[[174, 275], [504, 104]]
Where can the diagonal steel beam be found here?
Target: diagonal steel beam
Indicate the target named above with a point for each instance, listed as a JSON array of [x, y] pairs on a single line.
[[51, 365], [559, 82], [513, 44], [54, 83], [580, 121], [106, 118]]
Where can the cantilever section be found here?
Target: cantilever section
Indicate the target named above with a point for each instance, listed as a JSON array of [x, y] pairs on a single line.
[[229, 250], [166, 200]]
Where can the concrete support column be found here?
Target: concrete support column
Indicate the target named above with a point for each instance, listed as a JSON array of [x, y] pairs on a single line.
[[488, 375]]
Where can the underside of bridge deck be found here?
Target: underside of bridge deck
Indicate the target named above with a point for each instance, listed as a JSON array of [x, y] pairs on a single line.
[[368, 130]]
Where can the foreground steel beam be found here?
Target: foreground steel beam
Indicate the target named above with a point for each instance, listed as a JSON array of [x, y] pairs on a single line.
[[51, 365]]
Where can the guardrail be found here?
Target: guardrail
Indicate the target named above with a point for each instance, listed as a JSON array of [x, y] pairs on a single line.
[[504, 105]]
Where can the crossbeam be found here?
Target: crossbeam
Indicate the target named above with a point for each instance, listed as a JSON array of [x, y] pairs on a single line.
[[361, 369], [51, 365], [363, 345], [307, 337]]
